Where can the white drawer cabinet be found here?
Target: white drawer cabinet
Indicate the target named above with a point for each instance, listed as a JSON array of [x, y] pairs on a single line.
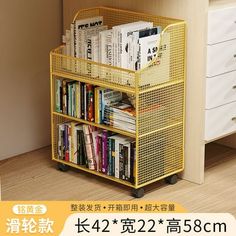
[[221, 58], [220, 90], [221, 25], [220, 108], [220, 121]]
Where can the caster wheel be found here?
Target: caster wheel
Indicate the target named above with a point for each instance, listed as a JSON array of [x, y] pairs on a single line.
[[171, 179], [63, 167], [138, 193]]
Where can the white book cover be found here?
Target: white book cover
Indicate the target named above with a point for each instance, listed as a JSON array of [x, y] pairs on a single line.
[[64, 64], [95, 54], [81, 25], [68, 50], [72, 46], [72, 42], [150, 49], [133, 44], [89, 33], [121, 37]]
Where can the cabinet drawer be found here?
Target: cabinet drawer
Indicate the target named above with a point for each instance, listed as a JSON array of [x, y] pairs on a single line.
[[220, 90], [221, 58], [220, 121], [221, 25]]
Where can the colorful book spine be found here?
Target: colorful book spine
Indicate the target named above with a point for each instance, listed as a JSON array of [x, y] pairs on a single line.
[[104, 151], [89, 147], [121, 161], [90, 102], [113, 156], [66, 143], [58, 95]]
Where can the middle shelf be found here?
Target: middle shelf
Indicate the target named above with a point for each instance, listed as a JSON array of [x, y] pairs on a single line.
[[134, 115]]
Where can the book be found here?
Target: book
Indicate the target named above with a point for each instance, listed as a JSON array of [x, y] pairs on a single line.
[[80, 25], [96, 149], [95, 55], [134, 47], [58, 85], [73, 151], [88, 45], [82, 101], [104, 152], [117, 139], [120, 115], [121, 33], [90, 102], [78, 99], [106, 97], [89, 147]]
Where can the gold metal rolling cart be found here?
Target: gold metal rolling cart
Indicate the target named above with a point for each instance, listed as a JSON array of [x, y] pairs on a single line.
[[159, 132]]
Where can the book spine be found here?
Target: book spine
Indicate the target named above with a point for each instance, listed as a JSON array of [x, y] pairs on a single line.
[[104, 151], [69, 98], [99, 153], [82, 100], [126, 157], [64, 90], [117, 159], [68, 49], [72, 40], [58, 95], [95, 55], [73, 144], [121, 161], [66, 140], [85, 102], [94, 136], [90, 104], [69, 142], [59, 145], [96, 105], [109, 155], [89, 147], [84, 151], [78, 147]]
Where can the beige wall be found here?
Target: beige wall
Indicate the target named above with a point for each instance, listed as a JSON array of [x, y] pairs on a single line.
[[28, 30], [195, 13]]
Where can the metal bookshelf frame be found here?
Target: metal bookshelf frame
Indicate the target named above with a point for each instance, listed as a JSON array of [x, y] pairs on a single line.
[[159, 134]]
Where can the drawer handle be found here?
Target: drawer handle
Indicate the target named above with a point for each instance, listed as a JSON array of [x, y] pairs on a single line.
[[234, 87], [234, 118]]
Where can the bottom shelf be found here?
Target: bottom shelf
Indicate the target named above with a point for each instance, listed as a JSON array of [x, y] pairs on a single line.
[[95, 172]]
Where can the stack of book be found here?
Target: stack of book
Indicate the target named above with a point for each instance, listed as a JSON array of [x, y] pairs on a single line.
[[75, 99], [104, 106], [98, 150], [131, 46], [121, 116]]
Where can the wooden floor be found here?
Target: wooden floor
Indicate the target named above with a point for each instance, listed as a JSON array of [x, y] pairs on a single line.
[[33, 176]]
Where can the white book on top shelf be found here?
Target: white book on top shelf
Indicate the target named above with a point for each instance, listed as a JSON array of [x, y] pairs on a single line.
[[79, 39], [121, 33], [72, 46], [95, 54], [105, 52], [89, 33], [68, 49], [134, 47], [81, 25], [150, 48]]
